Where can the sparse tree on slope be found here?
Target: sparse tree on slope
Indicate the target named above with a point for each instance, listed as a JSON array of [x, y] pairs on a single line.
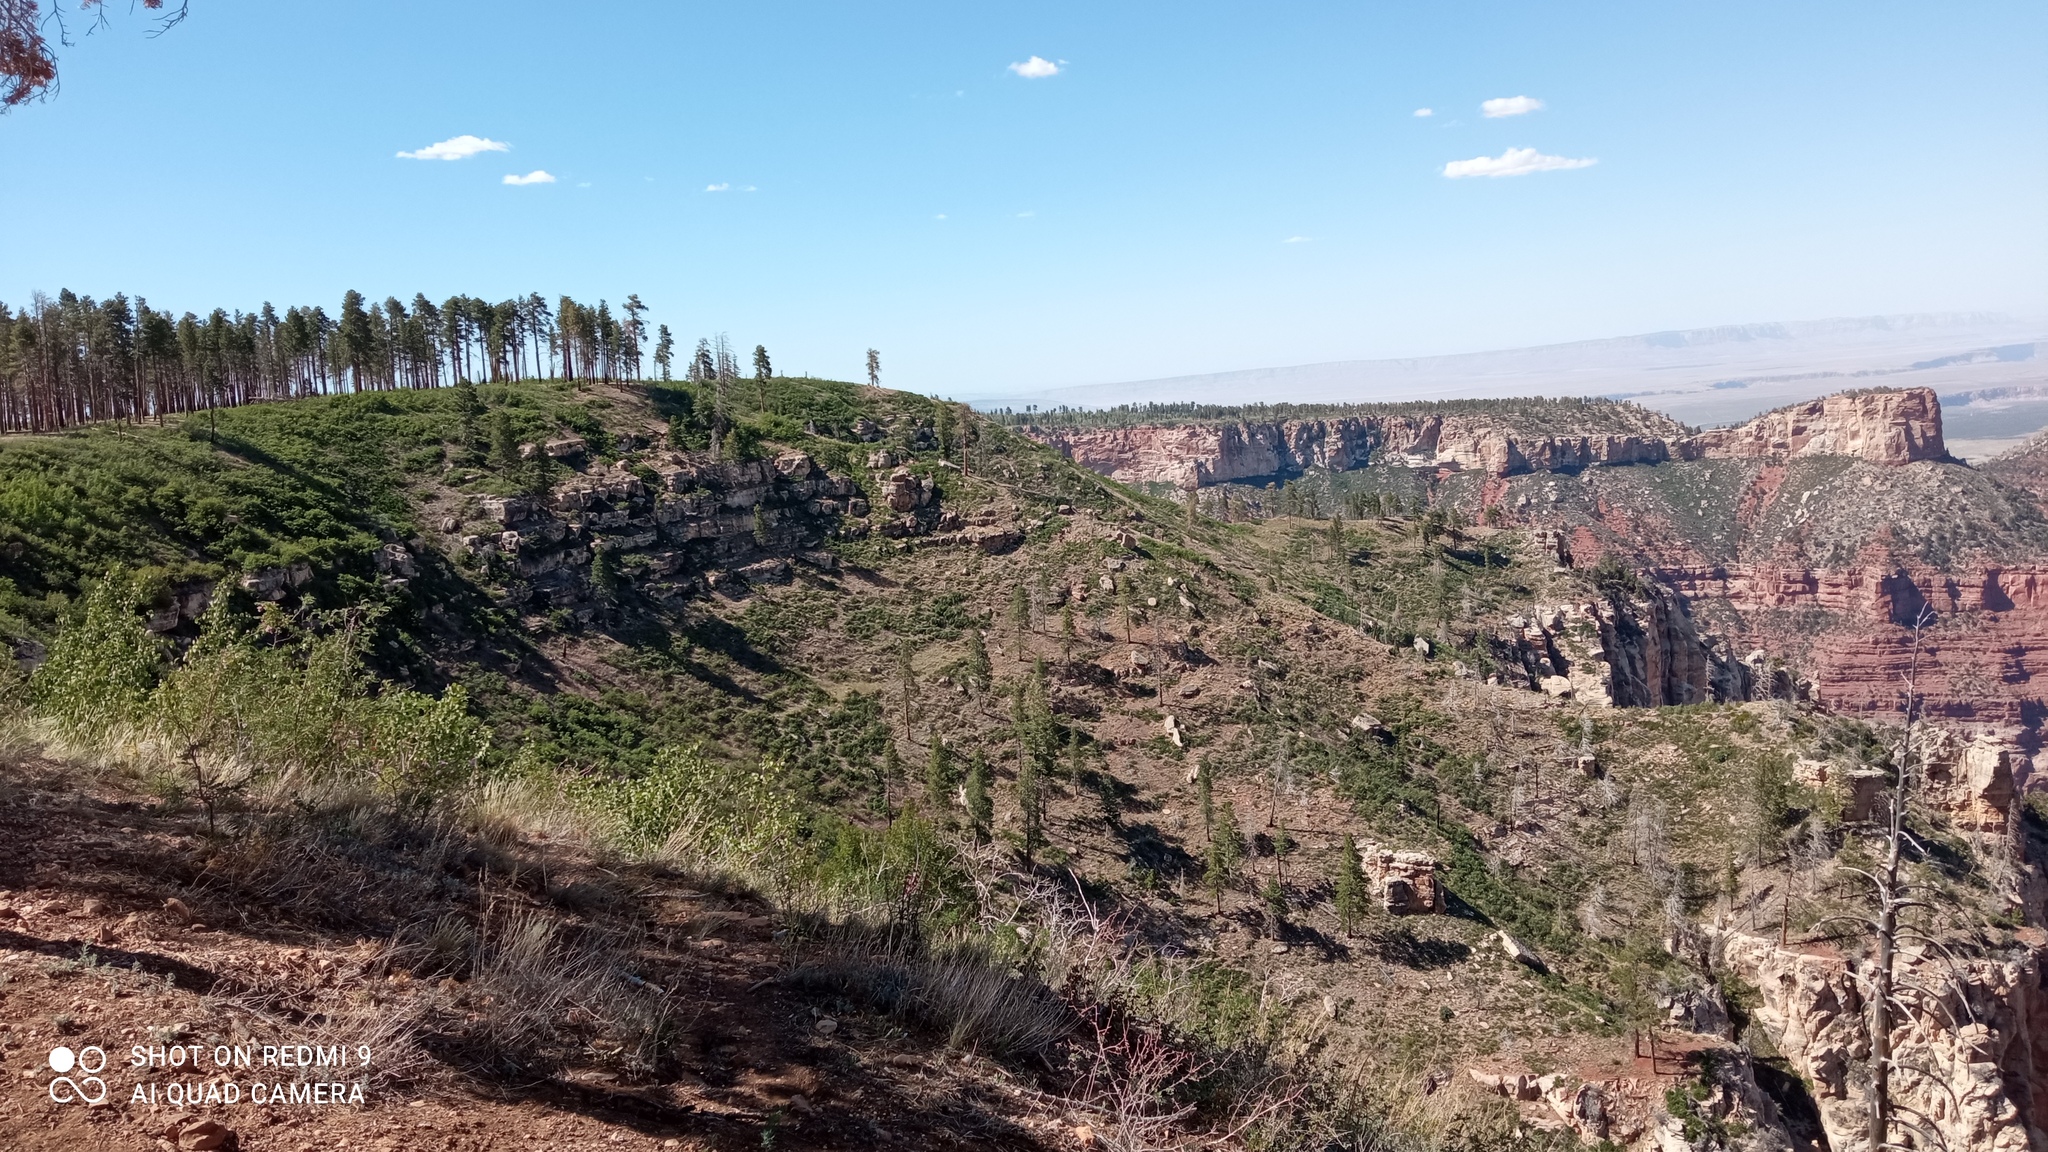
[[1350, 887], [980, 809], [664, 352]]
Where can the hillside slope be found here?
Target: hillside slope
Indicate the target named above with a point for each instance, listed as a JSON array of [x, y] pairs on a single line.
[[937, 703]]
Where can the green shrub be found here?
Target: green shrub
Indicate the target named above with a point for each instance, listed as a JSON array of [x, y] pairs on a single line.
[[101, 668]]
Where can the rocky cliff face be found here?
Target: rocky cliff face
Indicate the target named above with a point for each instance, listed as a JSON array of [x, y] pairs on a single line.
[[1883, 427], [701, 524], [1971, 1049], [1640, 650]]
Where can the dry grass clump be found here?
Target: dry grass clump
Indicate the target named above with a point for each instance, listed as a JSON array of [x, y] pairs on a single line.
[[544, 993], [959, 991]]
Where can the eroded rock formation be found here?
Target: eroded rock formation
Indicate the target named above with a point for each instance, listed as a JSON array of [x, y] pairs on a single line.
[[1971, 1048], [1886, 427]]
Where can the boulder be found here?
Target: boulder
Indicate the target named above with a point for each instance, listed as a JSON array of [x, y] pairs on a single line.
[[1405, 882], [1520, 953], [264, 583]]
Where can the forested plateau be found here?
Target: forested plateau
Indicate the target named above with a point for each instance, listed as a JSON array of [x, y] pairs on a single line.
[[774, 762]]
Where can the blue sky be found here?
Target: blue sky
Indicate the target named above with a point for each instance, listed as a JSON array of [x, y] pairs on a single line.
[[894, 183]]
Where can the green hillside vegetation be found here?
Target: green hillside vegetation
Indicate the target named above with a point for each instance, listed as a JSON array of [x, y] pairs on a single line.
[[1137, 713]]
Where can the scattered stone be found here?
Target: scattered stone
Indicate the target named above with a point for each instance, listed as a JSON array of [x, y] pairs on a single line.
[[1422, 647], [202, 1135], [178, 909], [1520, 953], [1367, 723], [826, 1025]]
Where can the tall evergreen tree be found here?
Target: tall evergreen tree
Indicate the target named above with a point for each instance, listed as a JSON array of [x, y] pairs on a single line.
[[1020, 617], [1030, 806], [978, 668], [1226, 852], [980, 808], [1350, 894], [664, 352]]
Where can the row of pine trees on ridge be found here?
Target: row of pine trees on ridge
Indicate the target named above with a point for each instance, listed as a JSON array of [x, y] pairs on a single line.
[[73, 360]]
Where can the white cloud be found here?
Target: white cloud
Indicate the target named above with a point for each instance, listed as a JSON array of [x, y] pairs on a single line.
[[1295, 240], [1501, 106], [456, 148], [1513, 162], [537, 176], [718, 187], [1422, 112], [940, 216], [1026, 215], [1036, 68]]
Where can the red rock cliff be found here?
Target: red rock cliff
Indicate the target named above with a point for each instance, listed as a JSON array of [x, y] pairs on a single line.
[[1884, 427]]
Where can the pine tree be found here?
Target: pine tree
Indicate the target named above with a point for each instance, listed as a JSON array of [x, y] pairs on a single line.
[[468, 410], [1030, 805], [1020, 616], [942, 427], [541, 473], [1226, 852], [604, 573], [1109, 797], [664, 352], [906, 678], [978, 668], [1077, 756], [892, 770], [874, 368], [938, 774], [504, 441], [1273, 899], [980, 809], [1350, 888], [1067, 630]]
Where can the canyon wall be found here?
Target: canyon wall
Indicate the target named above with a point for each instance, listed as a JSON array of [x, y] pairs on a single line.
[[1970, 1043], [1848, 631], [1895, 427]]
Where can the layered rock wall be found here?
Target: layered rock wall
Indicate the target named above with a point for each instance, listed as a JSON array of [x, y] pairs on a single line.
[[1848, 631], [1881, 427], [1884, 427]]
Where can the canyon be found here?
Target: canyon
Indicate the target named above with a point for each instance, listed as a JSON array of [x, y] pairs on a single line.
[[1789, 555], [1885, 427]]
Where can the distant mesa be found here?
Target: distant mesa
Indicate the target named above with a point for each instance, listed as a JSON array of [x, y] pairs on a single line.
[[1501, 438]]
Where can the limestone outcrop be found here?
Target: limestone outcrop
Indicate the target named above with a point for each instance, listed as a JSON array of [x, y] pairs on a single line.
[[1405, 882], [1971, 1045], [701, 524], [1885, 427], [1640, 650]]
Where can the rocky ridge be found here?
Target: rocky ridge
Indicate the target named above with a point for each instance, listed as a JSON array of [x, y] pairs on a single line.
[[1887, 427]]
